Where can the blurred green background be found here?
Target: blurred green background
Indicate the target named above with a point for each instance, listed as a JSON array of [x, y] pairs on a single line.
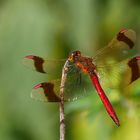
[[53, 28]]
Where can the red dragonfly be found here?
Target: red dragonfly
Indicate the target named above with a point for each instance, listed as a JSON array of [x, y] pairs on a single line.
[[98, 68]]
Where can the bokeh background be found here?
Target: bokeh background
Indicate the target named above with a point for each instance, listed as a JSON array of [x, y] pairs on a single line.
[[53, 28]]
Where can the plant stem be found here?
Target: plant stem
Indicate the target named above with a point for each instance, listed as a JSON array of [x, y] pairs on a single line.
[[61, 109], [62, 121]]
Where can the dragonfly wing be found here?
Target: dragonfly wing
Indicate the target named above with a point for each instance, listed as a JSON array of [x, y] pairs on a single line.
[[46, 92], [76, 86], [134, 66], [118, 49], [121, 74], [43, 65]]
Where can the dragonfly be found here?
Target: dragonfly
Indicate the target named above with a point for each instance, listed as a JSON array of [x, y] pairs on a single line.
[[82, 72]]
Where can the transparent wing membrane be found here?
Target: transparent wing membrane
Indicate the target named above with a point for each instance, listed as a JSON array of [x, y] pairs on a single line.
[[76, 86], [46, 92], [121, 74], [42, 65], [112, 61], [117, 50], [50, 91]]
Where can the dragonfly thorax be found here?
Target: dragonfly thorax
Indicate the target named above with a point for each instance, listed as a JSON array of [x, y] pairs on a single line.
[[85, 64]]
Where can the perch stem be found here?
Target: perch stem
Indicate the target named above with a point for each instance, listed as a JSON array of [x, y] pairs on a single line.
[[62, 121], [61, 108]]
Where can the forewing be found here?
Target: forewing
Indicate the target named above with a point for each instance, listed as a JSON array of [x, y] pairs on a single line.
[[117, 50], [43, 65]]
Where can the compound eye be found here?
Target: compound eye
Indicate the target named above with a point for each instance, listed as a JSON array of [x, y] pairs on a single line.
[[78, 53]]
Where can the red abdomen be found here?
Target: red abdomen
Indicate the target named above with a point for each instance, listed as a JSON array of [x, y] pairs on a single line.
[[104, 99]]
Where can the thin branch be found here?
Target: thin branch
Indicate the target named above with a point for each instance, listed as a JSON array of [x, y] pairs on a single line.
[[62, 121], [61, 108]]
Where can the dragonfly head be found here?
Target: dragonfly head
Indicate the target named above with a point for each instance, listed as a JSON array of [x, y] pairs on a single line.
[[74, 56]]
